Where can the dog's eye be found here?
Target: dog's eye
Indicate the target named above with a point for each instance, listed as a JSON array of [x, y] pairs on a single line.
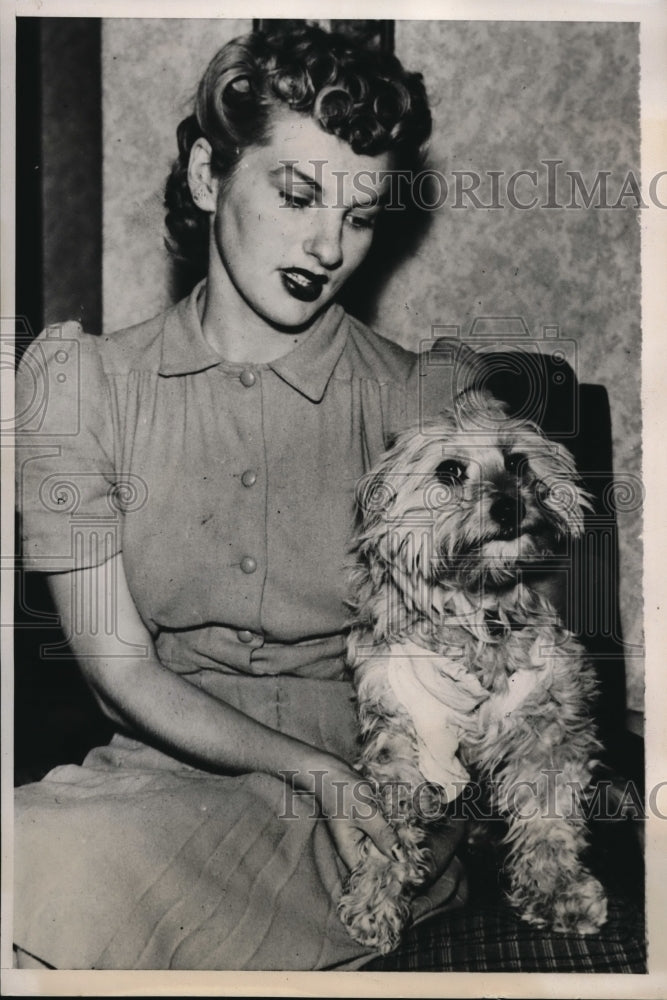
[[516, 463], [450, 472]]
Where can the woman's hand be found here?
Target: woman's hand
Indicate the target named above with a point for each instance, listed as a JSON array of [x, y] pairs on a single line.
[[347, 802]]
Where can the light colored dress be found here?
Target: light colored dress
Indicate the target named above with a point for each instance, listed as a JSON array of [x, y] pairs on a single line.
[[229, 490]]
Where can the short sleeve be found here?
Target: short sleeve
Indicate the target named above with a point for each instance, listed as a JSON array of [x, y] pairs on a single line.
[[66, 485]]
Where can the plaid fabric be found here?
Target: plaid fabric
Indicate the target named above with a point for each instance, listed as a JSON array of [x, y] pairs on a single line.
[[486, 936], [491, 939]]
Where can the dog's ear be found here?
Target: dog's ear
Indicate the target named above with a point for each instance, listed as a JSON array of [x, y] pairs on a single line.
[[374, 496], [560, 493]]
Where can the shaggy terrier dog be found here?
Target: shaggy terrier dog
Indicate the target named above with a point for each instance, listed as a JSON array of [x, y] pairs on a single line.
[[460, 661]]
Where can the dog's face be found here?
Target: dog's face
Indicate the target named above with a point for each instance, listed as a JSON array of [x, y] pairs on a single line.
[[469, 498]]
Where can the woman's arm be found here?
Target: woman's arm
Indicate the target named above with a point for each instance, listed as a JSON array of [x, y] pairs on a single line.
[[141, 695]]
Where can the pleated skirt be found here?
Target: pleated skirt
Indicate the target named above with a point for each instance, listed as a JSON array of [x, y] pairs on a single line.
[[135, 860]]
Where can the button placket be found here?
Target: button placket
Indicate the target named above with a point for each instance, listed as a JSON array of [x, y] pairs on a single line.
[[249, 542]]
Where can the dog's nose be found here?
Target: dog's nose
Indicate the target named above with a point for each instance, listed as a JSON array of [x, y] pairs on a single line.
[[508, 512]]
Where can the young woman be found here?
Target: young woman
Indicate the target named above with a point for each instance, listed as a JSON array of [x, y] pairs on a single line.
[[219, 444]]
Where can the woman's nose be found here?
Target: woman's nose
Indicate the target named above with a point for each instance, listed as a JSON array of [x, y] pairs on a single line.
[[325, 241]]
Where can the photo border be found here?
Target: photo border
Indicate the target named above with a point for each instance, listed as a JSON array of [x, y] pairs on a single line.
[[653, 93]]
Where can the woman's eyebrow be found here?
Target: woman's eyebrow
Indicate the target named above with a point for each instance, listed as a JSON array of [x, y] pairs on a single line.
[[289, 169], [288, 173]]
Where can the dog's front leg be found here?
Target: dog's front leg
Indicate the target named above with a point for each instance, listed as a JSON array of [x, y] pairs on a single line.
[[375, 905], [549, 885], [541, 756], [376, 902]]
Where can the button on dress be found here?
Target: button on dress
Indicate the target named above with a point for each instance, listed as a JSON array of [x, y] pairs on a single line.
[[229, 491]]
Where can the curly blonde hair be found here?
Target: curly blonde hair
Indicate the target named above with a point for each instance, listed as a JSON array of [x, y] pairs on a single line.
[[364, 97]]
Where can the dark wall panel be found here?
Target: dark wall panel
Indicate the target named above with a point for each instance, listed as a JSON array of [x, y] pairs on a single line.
[[29, 297], [59, 176], [58, 277]]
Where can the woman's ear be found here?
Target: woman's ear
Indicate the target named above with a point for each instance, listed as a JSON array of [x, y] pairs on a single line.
[[203, 185]]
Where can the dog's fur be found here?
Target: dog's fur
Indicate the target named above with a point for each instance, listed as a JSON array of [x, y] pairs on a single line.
[[451, 521]]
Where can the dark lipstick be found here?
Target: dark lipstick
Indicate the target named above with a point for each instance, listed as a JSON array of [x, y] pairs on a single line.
[[302, 284]]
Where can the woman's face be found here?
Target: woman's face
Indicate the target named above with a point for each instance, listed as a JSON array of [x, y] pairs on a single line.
[[296, 219]]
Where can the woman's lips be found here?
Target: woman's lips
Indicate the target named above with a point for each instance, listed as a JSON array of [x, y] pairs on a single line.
[[301, 284]]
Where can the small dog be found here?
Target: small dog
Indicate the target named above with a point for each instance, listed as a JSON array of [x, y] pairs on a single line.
[[460, 661]]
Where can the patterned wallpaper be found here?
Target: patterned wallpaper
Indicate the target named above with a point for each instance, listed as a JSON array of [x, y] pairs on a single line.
[[506, 98]]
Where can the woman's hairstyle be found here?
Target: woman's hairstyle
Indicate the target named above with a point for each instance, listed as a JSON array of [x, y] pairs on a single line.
[[364, 97]]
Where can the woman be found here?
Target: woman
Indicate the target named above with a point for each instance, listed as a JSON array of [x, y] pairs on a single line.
[[216, 828]]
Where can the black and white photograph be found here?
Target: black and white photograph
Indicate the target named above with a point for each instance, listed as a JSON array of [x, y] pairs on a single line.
[[331, 443]]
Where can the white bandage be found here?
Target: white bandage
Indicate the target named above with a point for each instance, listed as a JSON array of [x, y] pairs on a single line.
[[440, 696]]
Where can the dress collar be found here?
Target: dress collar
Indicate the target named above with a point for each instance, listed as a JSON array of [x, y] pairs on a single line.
[[307, 368]]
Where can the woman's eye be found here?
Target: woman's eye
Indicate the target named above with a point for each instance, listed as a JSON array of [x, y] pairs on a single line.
[[361, 221], [450, 472], [294, 201], [516, 463]]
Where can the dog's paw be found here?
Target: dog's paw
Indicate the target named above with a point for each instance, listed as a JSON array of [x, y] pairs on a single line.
[[577, 908], [581, 908], [378, 928]]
